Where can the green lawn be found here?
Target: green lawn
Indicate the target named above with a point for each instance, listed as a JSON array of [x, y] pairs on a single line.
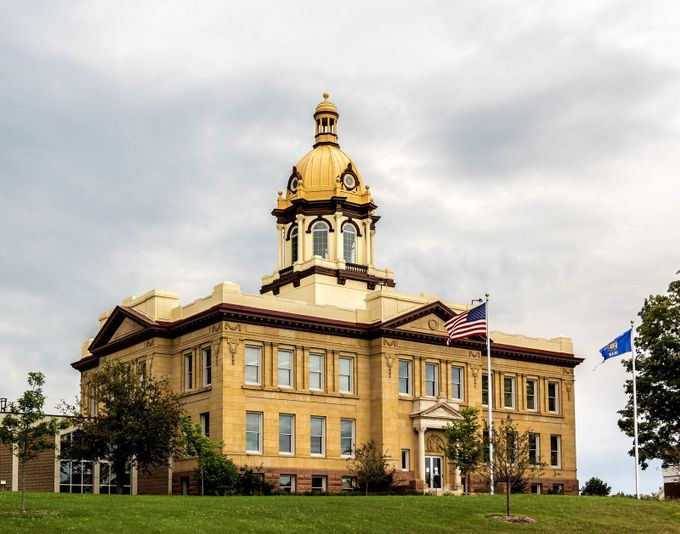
[[394, 514]]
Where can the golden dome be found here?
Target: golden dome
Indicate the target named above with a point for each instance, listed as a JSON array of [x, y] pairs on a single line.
[[325, 171]]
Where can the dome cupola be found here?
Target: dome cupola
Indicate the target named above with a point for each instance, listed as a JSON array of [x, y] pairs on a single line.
[[326, 225]]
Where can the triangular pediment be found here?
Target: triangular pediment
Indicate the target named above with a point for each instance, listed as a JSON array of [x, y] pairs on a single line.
[[428, 319], [127, 327], [440, 410], [123, 323]]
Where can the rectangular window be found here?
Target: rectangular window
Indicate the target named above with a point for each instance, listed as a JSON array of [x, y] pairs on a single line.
[[457, 383], [404, 377], [285, 359], [286, 433], [509, 392], [555, 451], [534, 448], [206, 356], [348, 483], [405, 459], [316, 362], [205, 424], [287, 483], [553, 397], [346, 371], [347, 437], [318, 483], [557, 489], [536, 489], [431, 379], [532, 386], [485, 390], [188, 372], [253, 364], [141, 370], [93, 401], [253, 432], [317, 436]]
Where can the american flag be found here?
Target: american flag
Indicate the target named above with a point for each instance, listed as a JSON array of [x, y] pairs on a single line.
[[468, 324]]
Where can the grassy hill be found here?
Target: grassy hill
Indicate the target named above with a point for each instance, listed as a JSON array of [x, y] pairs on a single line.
[[393, 514]]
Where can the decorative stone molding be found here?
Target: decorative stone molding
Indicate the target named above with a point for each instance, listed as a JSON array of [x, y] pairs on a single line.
[[389, 360], [233, 346]]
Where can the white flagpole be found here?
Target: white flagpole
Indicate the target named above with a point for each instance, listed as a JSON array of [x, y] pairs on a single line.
[[489, 381], [635, 417]]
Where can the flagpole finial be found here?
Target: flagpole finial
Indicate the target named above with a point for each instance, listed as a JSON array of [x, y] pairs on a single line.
[[632, 323], [486, 295]]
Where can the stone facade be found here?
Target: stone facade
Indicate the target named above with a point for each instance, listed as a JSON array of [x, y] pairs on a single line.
[[332, 344]]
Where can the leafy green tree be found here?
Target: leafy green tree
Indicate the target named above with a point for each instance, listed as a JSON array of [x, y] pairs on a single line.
[[657, 345], [595, 486], [372, 468], [218, 474], [464, 445], [138, 419], [26, 430], [512, 458]]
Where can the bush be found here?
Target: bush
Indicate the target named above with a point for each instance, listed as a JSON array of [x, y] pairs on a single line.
[[220, 474], [596, 487], [251, 483]]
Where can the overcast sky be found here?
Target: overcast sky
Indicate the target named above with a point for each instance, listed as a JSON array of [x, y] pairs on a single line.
[[528, 149]]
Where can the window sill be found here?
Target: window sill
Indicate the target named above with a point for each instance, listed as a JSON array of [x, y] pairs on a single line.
[[254, 453]]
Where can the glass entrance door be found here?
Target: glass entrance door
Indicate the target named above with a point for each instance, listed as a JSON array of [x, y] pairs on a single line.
[[433, 472]]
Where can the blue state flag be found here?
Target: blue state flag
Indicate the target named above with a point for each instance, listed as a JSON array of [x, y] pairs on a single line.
[[620, 345]]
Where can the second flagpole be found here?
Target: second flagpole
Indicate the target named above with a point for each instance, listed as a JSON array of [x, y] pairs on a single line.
[[635, 417], [489, 381]]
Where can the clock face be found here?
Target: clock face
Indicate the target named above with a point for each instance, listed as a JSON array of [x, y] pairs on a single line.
[[349, 181], [294, 182]]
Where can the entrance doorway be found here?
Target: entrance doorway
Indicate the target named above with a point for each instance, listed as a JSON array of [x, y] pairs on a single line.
[[433, 472]]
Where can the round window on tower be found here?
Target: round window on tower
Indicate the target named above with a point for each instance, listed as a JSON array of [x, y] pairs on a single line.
[[349, 181], [293, 184]]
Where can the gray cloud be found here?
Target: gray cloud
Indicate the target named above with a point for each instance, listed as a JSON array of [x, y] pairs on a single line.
[[530, 152]]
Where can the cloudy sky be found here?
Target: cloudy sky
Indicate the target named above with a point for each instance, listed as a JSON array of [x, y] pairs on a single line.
[[528, 149]]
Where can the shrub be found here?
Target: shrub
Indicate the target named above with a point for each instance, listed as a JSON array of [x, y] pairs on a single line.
[[596, 487]]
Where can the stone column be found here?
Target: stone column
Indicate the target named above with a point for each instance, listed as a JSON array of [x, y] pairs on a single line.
[[421, 455], [301, 238], [339, 256], [369, 245], [282, 245]]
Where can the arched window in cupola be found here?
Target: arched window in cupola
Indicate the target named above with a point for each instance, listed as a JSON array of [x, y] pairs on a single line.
[[320, 239], [349, 243]]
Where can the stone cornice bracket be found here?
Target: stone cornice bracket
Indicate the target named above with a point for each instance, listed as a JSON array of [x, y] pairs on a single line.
[[233, 346], [475, 373], [389, 360]]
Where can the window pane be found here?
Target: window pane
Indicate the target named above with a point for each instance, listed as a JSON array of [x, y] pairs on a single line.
[[349, 243], [316, 435], [253, 422], [404, 377], [346, 437], [531, 394], [285, 368], [253, 359], [316, 371], [320, 239], [457, 382], [346, 365], [431, 372], [509, 392], [485, 390], [294, 245]]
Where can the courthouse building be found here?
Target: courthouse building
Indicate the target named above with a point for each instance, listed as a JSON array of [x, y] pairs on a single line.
[[330, 355]]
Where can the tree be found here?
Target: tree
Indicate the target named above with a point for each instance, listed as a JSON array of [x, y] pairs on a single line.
[[138, 421], [464, 446], [371, 468], [26, 430], [657, 346], [218, 474], [595, 486], [512, 457]]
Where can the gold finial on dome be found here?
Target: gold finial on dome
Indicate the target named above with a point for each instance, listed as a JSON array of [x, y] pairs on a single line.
[[325, 96]]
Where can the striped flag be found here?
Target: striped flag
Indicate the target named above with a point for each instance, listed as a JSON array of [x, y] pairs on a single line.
[[468, 324]]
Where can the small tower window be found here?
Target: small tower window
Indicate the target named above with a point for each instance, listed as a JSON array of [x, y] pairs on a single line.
[[349, 243], [294, 245], [320, 238]]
